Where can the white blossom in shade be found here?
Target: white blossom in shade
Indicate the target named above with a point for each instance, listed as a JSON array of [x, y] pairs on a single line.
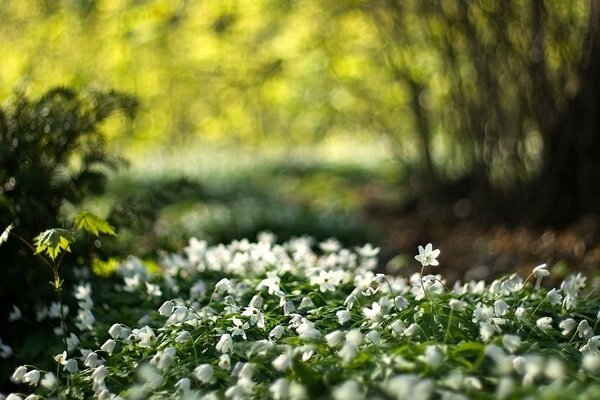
[[91, 360], [500, 307], [343, 316], [15, 314], [540, 271], [14, 396], [115, 331], [282, 362], [150, 378], [32, 397], [99, 374], [166, 309], [277, 332], [239, 328], [5, 350], [400, 303], [457, 305], [225, 362], [153, 290], [164, 358], [592, 345], [306, 303], [506, 386], [223, 285], [472, 383], [427, 256], [412, 330], [590, 362], [487, 330], [511, 342], [70, 365], [584, 330], [246, 370], [482, 313], [280, 389], [256, 301], [554, 297], [373, 337], [350, 301], [72, 342], [433, 357], [534, 367], [520, 313], [354, 336], [85, 320], [17, 376], [544, 323], [334, 338], [225, 343], [567, 326], [348, 351], [409, 386], [397, 326], [203, 373], [54, 310], [145, 336], [555, 370], [49, 381], [295, 321], [183, 337], [198, 290], [109, 346], [349, 390], [520, 364], [374, 313], [184, 385]]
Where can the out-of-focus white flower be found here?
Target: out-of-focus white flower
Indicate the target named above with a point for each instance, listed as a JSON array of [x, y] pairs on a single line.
[[166, 309], [511, 342], [411, 330], [433, 357], [374, 313], [99, 374], [334, 338], [427, 256], [223, 285], [204, 373], [225, 344], [224, 362], [49, 381], [282, 362], [5, 350], [373, 337], [457, 305], [520, 313], [153, 290], [280, 389], [109, 346], [544, 323], [349, 390], [277, 332], [409, 386], [343, 316], [184, 385], [567, 326], [15, 314], [591, 362], [554, 297]]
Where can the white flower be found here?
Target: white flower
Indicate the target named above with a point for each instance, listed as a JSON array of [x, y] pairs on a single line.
[[225, 343], [544, 323], [280, 389], [166, 309], [457, 305], [277, 332], [5, 350], [70, 365], [183, 337], [239, 328], [411, 330], [343, 316], [334, 338], [4, 236], [373, 337], [540, 271], [203, 373], [183, 385], [91, 360], [282, 362], [349, 390], [374, 313], [584, 330], [591, 362], [554, 297], [15, 314], [511, 342], [49, 381], [567, 326], [99, 374], [153, 290], [348, 351], [500, 307], [432, 357], [17, 376], [520, 313], [223, 285], [427, 256], [224, 362], [115, 331], [109, 346], [398, 326]]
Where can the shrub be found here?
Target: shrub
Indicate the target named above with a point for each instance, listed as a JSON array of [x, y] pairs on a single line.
[[51, 155], [261, 320]]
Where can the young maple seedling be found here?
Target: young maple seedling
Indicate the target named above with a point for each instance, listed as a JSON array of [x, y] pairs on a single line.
[[51, 246]]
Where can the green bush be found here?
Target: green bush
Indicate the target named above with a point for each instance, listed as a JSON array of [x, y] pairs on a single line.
[[52, 156]]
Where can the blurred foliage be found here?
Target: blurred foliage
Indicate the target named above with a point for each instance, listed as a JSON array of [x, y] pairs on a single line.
[[52, 156], [456, 86]]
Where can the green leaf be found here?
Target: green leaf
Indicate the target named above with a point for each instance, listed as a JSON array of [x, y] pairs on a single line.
[[93, 224], [53, 241]]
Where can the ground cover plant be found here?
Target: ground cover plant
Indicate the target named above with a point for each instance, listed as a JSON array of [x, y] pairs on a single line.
[[304, 319]]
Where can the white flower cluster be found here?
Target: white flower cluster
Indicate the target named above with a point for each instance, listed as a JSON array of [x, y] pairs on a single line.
[[297, 320]]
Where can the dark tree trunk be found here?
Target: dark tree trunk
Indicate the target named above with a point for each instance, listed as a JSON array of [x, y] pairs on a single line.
[[569, 184]]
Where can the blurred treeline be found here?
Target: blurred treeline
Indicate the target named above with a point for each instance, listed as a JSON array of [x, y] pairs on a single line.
[[477, 96]]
